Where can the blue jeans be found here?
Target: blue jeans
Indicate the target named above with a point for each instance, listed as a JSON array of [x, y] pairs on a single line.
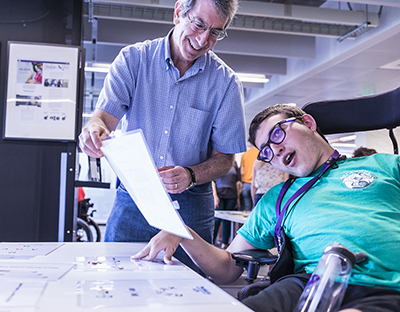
[[224, 204], [246, 193], [127, 224]]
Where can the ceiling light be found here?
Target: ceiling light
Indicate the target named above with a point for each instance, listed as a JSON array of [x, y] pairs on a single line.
[[344, 139], [105, 67], [351, 145], [98, 67], [256, 78], [392, 65]]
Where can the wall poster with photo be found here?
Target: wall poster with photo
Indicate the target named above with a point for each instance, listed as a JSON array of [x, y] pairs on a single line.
[[42, 91]]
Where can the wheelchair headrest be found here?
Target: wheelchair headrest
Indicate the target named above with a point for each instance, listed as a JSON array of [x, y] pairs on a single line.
[[373, 112]]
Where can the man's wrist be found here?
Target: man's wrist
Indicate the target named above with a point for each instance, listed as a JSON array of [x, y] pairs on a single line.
[[193, 178]]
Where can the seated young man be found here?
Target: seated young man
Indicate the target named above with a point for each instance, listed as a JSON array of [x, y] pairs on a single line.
[[355, 202]]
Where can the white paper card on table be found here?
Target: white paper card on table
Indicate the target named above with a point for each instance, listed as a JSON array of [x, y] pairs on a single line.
[[124, 263], [129, 157], [33, 271], [15, 294], [114, 293], [26, 250]]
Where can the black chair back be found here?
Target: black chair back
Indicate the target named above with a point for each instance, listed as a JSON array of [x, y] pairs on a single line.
[[364, 113]]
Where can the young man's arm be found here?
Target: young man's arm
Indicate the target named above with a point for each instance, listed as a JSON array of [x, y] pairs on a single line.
[[213, 261]]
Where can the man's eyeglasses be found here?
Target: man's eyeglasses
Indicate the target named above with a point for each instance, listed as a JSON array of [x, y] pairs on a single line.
[[276, 136], [199, 27]]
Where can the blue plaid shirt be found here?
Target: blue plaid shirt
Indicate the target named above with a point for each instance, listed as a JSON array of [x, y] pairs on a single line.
[[181, 118]]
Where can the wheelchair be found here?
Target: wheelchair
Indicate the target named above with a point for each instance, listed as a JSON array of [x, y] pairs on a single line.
[[87, 229], [364, 113]]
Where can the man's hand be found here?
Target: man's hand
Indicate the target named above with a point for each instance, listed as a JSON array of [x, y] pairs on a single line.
[[97, 129], [162, 241], [176, 179], [90, 140]]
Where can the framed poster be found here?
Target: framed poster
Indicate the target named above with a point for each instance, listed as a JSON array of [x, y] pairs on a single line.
[[42, 91]]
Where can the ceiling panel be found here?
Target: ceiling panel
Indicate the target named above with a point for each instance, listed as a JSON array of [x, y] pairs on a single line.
[[303, 68]]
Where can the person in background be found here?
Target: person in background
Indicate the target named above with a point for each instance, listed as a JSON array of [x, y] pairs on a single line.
[[81, 194], [264, 177], [226, 197], [330, 198], [189, 105], [363, 151], [246, 169]]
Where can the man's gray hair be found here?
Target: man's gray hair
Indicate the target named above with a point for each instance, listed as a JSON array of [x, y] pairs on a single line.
[[226, 8]]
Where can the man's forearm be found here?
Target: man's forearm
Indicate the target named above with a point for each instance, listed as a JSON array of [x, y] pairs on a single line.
[[216, 166]]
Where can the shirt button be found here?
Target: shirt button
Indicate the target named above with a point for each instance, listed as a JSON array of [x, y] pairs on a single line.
[[171, 107], [161, 157], [166, 131], [177, 82]]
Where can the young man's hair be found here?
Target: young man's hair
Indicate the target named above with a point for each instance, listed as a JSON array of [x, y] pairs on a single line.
[[287, 111], [226, 8]]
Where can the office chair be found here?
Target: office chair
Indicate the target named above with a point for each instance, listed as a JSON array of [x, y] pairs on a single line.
[[364, 113]]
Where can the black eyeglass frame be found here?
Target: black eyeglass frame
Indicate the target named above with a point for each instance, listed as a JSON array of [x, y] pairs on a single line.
[[267, 145], [193, 26]]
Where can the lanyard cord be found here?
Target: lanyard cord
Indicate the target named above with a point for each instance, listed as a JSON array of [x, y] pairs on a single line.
[[301, 191]]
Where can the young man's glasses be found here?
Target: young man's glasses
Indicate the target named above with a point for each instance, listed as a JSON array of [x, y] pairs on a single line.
[[199, 27], [276, 136]]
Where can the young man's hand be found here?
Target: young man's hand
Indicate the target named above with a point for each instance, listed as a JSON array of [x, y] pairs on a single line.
[[163, 241]]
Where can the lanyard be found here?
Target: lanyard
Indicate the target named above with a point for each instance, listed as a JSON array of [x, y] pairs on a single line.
[[300, 191]]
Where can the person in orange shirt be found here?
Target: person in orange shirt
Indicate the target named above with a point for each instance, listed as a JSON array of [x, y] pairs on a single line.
[[246, 169]]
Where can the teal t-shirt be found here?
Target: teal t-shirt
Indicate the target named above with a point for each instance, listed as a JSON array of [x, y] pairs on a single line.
[[356, 205]]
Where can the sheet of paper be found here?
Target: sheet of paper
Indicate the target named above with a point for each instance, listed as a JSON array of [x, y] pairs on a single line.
[[142, 292], [33, 271], [124, 263], [129, 157], [15, 294], [26, 250]]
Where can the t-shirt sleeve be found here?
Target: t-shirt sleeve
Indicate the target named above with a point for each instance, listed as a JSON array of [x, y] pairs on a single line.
[[258, 229]]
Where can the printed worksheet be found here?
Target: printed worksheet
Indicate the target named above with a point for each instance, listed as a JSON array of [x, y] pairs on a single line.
[[26, 250], [33, 271], [15, 294], [144, 292], [129, 157], [124, 263]]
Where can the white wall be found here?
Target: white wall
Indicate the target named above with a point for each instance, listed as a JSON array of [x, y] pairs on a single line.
[[380, 140]]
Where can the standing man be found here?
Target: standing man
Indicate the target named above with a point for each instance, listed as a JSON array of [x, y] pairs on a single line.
[[188, 103]]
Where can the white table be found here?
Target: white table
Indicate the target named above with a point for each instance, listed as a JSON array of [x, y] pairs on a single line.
[[234, 216], [90, 283]]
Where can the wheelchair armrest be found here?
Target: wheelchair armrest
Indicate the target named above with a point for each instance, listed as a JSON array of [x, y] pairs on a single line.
[[253, 259]]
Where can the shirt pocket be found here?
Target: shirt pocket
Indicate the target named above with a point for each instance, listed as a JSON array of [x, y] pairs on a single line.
[[197, 127]]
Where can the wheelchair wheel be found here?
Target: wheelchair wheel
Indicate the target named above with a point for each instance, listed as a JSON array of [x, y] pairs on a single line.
[[94, 225], [83, 231]]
